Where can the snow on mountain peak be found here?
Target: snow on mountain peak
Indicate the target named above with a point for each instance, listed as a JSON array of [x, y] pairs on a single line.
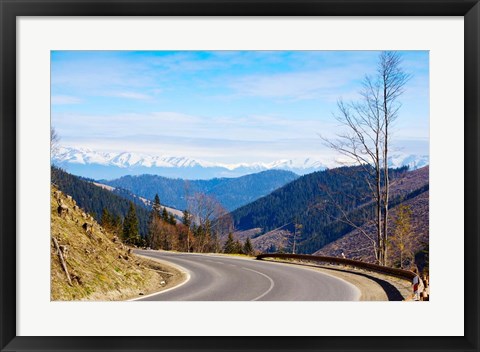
[[85, 156]]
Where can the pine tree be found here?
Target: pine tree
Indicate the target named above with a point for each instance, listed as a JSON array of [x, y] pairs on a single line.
[[117, 224], [171, 219], [247, 247], [130, 227], [187, 221], [237, 247], [187, 218], [156, 205], [229, 246], [106, 220], [165, 214], [153, 218]]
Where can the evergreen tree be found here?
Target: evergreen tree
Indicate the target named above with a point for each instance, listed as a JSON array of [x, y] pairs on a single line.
[[237, 247], [93, 199], [156, 205], [171, 219], [117, 224], [153, 218], [229, 246], [247, 247], [165, 214], [106, 220], [187, 221], [187, 218], [130, 227]]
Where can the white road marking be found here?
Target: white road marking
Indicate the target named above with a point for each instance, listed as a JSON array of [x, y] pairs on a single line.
[[272, 284], [185, 271]]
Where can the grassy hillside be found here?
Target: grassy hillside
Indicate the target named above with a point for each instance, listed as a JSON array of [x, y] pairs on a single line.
[[98, 265]]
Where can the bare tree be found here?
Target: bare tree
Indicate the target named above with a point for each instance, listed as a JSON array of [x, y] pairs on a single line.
[[361, 143], [365, 141], [392, 79], [211, 219], [163, 235], [54, 142], [54, 151]]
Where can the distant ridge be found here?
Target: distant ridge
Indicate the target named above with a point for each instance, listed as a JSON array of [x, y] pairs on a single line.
[[230, 192], [104, 165]]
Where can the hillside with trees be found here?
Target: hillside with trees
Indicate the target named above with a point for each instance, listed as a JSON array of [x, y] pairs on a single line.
[[94, 200], [409, 232], [231, 193], [321, 202]]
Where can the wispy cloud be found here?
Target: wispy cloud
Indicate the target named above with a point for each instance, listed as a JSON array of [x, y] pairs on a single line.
[[257, 103], [129, 95], [64, 100], [298, 85]]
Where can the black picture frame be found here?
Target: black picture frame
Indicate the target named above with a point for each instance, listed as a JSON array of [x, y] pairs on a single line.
[[10, 10]]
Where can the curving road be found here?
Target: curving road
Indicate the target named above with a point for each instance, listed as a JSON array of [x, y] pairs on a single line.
[[221, 278]]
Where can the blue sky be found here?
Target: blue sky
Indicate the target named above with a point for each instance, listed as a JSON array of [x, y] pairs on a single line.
[[222, 106]]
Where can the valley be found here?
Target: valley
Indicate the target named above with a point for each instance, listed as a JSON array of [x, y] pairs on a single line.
[[284, 210]]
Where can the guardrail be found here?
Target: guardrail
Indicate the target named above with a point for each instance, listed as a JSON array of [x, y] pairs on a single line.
[[403, 274]]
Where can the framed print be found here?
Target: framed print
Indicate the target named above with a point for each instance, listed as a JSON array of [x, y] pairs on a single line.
[[189, 138]]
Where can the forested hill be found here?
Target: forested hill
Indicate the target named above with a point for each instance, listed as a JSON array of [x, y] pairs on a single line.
[[316, 201], [230, 192], [94, 199]]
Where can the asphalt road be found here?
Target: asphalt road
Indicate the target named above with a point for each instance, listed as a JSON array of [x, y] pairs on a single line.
[[222, 278]]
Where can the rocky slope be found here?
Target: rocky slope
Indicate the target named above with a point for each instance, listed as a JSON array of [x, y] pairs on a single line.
[[88, 263]]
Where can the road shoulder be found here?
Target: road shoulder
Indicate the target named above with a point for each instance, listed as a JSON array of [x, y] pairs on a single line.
[[170, 276], [373, 286]]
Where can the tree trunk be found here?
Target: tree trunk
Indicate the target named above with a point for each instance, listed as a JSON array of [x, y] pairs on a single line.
[[62, 260], [385, 172], [379, 220]]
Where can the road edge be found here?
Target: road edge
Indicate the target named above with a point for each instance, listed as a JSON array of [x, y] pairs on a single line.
[[341, 272], [184, 271]]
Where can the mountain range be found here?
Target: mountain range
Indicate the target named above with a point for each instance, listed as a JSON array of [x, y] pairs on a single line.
[[108, 165], [231, 193]]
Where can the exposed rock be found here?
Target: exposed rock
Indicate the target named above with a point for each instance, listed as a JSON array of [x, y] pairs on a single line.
[[62, 210]]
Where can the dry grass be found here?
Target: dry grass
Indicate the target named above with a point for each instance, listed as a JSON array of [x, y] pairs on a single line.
[[100, 267]]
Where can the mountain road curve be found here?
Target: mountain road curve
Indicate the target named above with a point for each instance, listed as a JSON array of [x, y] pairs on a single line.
[[223, 278]]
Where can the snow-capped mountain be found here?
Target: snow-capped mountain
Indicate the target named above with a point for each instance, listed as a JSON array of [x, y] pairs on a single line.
[[106, 165], [124, 160], [412, 161]]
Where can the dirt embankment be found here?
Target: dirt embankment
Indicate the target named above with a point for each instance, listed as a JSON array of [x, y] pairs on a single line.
[[89, 263]]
